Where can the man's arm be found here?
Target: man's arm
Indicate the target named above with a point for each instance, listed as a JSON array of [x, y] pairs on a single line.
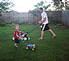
[[43, 20]]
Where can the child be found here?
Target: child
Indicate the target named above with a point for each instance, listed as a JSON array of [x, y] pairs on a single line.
[[16, 35]]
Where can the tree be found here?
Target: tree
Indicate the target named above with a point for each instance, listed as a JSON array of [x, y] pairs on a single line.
[[42, 4], [66, 5], [5, 5], [58, 4], [39, 4]]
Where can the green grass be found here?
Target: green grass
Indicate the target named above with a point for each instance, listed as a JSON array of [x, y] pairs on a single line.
[[46, 50]]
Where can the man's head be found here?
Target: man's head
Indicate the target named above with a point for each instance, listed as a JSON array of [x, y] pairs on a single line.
[[41, 9]]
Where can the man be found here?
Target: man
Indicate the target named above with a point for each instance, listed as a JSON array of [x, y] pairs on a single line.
[[44, 24]]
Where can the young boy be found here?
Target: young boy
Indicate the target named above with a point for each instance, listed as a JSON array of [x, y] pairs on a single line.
[[44, 24], [16, 35]]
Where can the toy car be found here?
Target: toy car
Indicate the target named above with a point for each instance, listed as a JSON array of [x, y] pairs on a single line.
[[30, 46]]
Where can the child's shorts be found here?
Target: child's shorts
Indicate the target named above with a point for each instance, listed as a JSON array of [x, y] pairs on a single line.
[[45, 27], [17, 41]]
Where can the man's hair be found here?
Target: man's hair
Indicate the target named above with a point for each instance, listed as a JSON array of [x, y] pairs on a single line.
[[41, 8]]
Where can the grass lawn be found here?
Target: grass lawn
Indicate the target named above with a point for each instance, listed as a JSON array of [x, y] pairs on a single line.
[[46, 50]]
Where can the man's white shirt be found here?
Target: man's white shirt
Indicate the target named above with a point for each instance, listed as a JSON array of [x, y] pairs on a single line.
[[44, 15]]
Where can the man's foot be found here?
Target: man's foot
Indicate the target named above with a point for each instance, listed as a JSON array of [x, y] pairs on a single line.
[[54, 36], [40, 38]]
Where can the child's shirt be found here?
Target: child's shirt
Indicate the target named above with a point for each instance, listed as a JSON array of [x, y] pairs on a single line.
[[16, 35]]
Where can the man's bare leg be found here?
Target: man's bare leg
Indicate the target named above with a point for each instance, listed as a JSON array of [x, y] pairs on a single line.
[[42, 35], [52, 32]]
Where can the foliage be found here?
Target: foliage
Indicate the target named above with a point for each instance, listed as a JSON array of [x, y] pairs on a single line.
[[58, 4], [42, 4], [5, 5]]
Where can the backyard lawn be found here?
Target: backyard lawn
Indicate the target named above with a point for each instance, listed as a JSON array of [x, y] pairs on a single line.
[[46, 50]]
